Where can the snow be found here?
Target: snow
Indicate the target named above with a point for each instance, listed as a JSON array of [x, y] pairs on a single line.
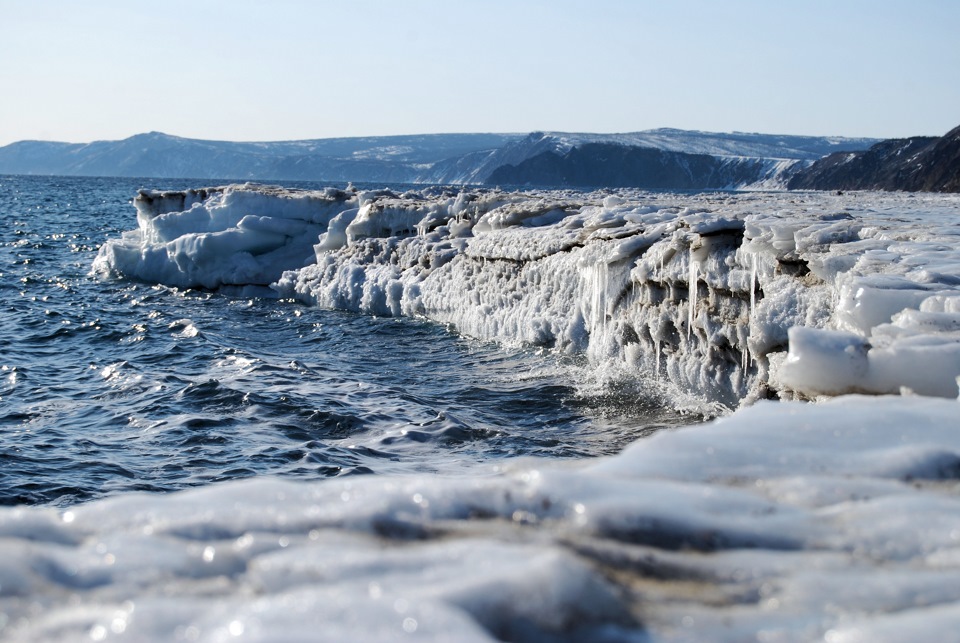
[[785, 521], [728, 297]]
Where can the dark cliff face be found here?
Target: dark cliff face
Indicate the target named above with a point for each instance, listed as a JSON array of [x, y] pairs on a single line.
[[944, 161], [613, 165], [912, 164]]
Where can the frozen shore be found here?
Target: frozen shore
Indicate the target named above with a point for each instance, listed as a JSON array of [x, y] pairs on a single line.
[[782, 521], [727, 297]]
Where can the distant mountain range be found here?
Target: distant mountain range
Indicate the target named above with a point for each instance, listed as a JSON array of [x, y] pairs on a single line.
[[656, 159], [661, 158]]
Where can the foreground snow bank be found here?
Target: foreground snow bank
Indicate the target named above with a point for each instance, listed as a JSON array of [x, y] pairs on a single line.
[[727, 296], [787, 522]]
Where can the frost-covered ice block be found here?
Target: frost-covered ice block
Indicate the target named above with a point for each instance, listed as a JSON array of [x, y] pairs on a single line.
[[784, 521], [902, 336], [227, 236], [825, 361], [868, 301], [698, 292]]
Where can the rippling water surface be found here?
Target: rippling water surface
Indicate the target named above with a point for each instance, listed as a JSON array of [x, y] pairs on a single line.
[[109, 386]]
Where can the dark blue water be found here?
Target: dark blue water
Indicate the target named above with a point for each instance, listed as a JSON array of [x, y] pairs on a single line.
[[109, 386]]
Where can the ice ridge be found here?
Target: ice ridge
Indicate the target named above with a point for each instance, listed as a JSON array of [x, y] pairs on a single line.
[[729, 297]]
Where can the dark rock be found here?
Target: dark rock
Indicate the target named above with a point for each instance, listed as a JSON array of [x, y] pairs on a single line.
[[922, 163]]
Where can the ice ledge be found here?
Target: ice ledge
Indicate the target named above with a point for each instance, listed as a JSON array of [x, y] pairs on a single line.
[[730, 297]]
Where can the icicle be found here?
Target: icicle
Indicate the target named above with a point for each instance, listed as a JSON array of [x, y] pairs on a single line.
[[753, 306], [692, 294], [597, 278], [597, 300], [656, 366], [743, 356]]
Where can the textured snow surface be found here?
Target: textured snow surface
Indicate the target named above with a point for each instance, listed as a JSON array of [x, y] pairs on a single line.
[[786, 521], [724, 296]]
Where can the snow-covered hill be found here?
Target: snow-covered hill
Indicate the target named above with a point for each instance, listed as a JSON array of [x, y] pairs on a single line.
[[388, 158]]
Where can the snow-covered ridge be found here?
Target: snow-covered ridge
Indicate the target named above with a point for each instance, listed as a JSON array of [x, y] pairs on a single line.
[[735, 144], [727, 297], [765, 160]]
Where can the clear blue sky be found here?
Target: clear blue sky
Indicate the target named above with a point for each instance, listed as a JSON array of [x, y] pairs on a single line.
[[290, 69]]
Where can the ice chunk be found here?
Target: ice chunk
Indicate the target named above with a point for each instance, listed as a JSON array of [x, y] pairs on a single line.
[[229, 236], [825, 361], [921, 356], [868, 302]]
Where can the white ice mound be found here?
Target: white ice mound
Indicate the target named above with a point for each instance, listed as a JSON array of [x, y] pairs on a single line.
[[699, 290], [784, 522], [228, 236]]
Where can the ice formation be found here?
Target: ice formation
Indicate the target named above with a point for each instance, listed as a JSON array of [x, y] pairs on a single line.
[[729, 297], [784, 522], [212, 237]]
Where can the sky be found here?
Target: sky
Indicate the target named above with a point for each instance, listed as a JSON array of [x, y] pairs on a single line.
[[262, 70]]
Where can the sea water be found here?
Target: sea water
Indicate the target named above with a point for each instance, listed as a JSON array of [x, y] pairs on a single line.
[[109, 386]]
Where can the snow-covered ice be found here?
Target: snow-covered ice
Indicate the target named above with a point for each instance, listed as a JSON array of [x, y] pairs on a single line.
[[213, 237], [786, 521]]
